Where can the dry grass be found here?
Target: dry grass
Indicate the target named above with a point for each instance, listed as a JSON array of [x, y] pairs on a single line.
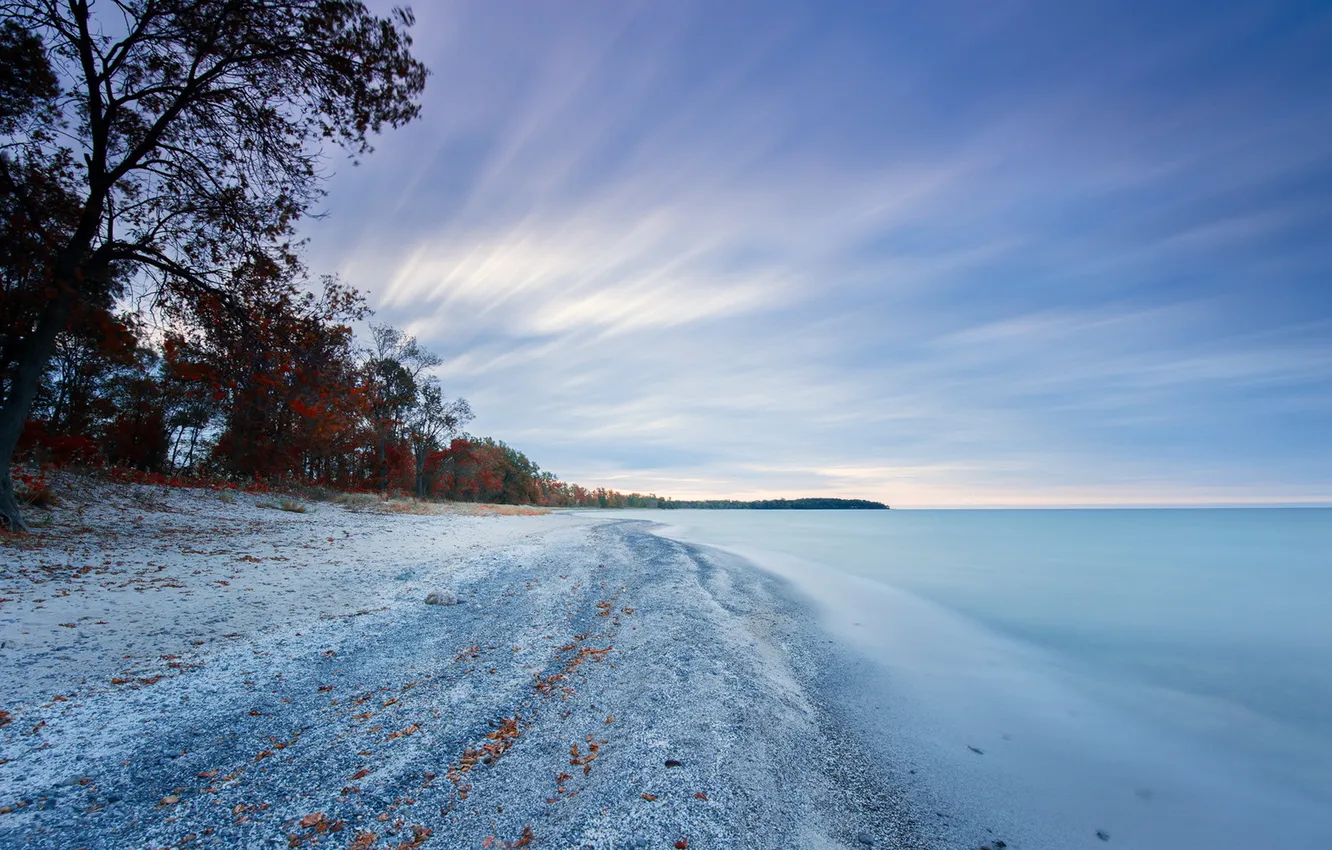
[[471, 509], [356, 501], [318, 493], [423, 507], [38, 496]]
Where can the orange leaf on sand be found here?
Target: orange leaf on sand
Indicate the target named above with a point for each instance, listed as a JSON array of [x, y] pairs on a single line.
[[699, 795], [650, 797], [312, 820], [682, 844], [361, 774]]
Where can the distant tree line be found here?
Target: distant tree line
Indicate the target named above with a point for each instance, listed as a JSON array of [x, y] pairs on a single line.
[[307, 405], [805, 504]]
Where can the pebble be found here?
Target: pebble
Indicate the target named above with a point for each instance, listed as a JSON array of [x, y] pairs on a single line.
[[865, 838]]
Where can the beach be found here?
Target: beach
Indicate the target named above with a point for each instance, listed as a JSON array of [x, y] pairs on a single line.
[[184, 668]]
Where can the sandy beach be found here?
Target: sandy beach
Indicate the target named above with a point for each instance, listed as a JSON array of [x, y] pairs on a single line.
[[184, 669]]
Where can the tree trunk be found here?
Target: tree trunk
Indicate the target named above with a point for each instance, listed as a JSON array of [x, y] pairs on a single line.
[[33, 357], [381, 449], [420, 471]]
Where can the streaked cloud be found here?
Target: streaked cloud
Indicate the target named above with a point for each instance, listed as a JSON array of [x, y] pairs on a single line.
[[988, 254]]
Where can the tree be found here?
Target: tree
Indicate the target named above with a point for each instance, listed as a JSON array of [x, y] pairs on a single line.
[[276, 361], [430, 419], [188, 134], [396, 362]]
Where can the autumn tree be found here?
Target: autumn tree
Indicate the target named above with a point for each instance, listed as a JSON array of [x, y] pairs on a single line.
[[395, 363], [158, 141], [276, 362], [432, 418]]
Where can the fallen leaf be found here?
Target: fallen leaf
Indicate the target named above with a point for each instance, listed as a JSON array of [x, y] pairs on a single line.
[[651, 798]]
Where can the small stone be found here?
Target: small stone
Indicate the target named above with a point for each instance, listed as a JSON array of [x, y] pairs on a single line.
[[674, 763], [865, 838], [1103, 835], [441, 597]]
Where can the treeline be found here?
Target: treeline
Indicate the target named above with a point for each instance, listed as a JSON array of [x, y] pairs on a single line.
[[805, 504], [300, 402]]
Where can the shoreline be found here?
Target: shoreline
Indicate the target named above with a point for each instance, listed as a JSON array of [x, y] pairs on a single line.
[[597, 686]]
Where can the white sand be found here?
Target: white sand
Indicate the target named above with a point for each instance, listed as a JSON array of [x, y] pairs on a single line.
[[230, 675], [131, 581]]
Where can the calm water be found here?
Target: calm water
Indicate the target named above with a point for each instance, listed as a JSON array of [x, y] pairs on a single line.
[[1178, 659]]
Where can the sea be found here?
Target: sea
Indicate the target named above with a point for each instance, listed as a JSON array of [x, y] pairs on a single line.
[[1077, 678]]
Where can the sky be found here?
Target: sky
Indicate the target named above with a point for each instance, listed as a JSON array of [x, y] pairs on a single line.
[[937, 254]]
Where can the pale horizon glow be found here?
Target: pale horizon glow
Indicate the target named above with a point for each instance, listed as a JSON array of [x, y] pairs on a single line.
[[960, 255]]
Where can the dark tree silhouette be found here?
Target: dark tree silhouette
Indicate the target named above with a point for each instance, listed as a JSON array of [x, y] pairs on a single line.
[[167, 141]]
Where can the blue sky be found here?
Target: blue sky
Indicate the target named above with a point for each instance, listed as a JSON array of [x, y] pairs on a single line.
[[953, 253]]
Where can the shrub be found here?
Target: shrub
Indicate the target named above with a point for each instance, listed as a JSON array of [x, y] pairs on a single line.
[[35, 491]]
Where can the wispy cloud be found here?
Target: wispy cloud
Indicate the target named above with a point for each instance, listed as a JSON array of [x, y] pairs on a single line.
[[990, 254]]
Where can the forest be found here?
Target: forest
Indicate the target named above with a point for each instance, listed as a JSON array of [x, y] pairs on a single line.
[[305, 406]]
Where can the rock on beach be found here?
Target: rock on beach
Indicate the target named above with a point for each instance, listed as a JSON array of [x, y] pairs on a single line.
[[442, 596]]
